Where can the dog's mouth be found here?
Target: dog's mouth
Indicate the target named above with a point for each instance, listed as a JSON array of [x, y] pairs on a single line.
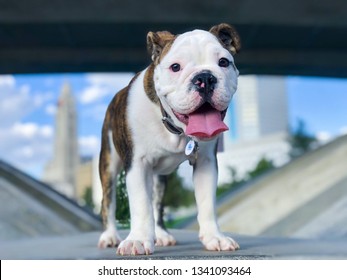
[[204, 123]]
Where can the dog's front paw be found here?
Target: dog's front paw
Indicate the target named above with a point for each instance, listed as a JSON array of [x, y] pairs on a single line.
[[135, 247], [109, 238], [219, 242], [163, 238]]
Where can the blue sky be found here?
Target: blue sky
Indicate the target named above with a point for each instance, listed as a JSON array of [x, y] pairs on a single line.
[[320, 102], [28, 105]]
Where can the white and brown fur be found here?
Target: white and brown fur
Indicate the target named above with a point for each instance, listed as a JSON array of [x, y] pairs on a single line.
[[135, 139]]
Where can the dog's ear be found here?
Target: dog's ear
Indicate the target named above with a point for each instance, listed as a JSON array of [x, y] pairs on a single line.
[[228, 37], [156, 42]]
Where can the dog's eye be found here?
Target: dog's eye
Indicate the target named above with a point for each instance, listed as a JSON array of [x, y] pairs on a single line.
[[223, 62], [175, 67]]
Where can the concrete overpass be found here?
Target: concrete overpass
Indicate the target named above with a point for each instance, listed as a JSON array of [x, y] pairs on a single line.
[[278, 36]]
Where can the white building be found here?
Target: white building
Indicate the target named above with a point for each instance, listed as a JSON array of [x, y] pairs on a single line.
[[60, 172], [258, 122]]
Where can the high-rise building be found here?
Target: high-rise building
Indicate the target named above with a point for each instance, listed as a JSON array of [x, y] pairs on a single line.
[[259, 107], [60, 172], [258, 122]]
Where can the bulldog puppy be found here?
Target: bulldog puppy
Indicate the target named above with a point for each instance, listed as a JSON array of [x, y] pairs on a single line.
[[171, 112]]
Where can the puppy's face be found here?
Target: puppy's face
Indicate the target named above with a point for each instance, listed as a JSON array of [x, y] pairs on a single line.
[[195, 78]]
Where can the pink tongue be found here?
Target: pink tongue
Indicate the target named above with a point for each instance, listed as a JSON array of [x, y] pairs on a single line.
[[205, 123]]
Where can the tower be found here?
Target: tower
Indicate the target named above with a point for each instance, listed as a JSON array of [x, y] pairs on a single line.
[[61, 171]]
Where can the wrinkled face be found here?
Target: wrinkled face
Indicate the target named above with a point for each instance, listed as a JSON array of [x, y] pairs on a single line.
[[195, 81]]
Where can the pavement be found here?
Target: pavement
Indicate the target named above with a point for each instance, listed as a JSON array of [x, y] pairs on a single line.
[[82, 246]]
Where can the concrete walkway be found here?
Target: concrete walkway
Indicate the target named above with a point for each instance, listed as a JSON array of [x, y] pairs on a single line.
[[83, 246]]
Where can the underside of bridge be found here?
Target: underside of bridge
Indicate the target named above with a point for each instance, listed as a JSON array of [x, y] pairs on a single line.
[[279, 37]]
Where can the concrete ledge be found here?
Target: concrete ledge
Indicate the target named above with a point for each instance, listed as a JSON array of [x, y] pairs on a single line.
[[32, 193], [83, 246]]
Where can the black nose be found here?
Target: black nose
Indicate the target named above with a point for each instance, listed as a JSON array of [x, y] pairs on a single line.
[[204, 83]]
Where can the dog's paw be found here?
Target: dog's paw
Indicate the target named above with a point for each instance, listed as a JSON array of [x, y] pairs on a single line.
[[135, 247], [163, 238], [109, 238], [219, 243]]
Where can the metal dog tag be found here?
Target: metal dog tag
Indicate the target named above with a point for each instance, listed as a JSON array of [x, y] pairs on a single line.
[[190, 147], [191, 151]]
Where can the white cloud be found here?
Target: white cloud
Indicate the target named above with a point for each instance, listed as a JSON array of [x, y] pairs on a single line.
[[102, 85], [21, 134], [89, 145], [15, 102], [26, 152], [323, 137], [27, 145], [114, 80], [30, 131], [7, 81], [94, 93], [51, 109], [97, 112], [46, 131], [25, 130], [343, 130], [40, 99]]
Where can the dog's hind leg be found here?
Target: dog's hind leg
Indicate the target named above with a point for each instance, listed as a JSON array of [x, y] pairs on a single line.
[[163, 237], [109, 168]]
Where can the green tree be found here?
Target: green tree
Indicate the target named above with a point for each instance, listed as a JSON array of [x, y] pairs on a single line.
[[122, 201], [176, 194], [263, 166], [300, 140], [234, 182], [88, 198]]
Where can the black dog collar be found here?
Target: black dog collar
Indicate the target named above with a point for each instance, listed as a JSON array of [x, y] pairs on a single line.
[[168, 122]]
